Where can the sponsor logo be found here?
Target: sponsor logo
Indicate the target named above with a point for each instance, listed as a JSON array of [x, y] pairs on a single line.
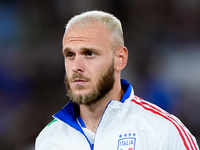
[[126, 141]]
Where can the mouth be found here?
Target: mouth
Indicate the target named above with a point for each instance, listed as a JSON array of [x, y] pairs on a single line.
[[79, 81]]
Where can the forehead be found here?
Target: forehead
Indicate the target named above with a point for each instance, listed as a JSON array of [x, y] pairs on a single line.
[[91, 33]]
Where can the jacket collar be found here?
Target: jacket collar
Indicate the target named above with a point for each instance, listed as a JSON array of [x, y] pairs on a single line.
[[68, 114]]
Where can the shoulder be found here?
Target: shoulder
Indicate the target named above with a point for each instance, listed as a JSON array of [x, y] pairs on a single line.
[[146, 108], [167, 127], [53, 129], [50, 128]]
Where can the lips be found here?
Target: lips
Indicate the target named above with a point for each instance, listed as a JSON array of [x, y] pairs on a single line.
[[79, 80]]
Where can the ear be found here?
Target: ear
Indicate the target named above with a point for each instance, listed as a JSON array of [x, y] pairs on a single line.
[[121, 57]]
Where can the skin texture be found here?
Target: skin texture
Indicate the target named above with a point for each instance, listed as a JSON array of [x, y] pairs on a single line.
[[89, 52], [104, 85]]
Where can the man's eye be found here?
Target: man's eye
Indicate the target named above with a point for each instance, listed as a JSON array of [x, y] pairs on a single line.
[[70, 54], [89, 53]]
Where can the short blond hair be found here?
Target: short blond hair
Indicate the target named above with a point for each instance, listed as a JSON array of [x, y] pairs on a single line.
[[108, 20]]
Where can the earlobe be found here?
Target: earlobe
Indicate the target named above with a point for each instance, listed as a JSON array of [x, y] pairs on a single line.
[[122, 57]]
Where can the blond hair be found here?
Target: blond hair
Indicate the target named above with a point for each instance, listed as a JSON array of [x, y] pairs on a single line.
[[109, 21]]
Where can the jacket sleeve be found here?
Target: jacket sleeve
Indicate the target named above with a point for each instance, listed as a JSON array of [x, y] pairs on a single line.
[[180, 138]]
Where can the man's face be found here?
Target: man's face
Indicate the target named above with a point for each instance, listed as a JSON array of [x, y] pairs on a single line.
[[89, 63], [104, 85]]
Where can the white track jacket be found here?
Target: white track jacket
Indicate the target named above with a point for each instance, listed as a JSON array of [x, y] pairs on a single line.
[[131, 124]]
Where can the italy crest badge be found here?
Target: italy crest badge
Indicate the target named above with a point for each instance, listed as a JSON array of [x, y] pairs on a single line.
[[126, 142]]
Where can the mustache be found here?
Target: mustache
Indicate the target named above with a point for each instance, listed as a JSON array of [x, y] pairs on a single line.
[[79, 76]]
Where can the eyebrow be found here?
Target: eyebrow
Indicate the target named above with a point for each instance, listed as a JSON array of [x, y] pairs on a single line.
[[66, 50], [84, 49]]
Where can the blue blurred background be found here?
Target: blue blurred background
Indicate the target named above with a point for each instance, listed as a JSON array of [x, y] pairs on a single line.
[[162, 36]]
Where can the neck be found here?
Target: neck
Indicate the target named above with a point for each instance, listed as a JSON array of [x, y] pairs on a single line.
[[91, 114]]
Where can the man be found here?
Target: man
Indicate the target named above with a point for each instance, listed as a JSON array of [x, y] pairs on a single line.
[[104, 113]]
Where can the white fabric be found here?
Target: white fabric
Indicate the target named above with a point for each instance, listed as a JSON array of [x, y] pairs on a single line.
[[90, 135], [132, 125]]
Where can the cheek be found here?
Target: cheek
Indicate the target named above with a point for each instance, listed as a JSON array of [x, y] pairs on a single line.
[[98, 70], [65, 64], [67, 68]]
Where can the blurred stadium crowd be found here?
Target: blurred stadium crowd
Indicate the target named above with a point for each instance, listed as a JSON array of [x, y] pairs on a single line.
[[162, 36]]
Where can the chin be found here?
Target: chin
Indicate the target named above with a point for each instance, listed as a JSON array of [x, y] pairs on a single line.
[[80, 92]]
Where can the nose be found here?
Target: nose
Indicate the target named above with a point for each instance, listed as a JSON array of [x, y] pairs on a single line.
[[77, 64]]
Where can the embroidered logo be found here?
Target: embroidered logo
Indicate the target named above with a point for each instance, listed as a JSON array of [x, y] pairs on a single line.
[[126, 142]]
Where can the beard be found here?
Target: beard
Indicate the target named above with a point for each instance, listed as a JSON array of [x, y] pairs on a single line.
[[104, 86]]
